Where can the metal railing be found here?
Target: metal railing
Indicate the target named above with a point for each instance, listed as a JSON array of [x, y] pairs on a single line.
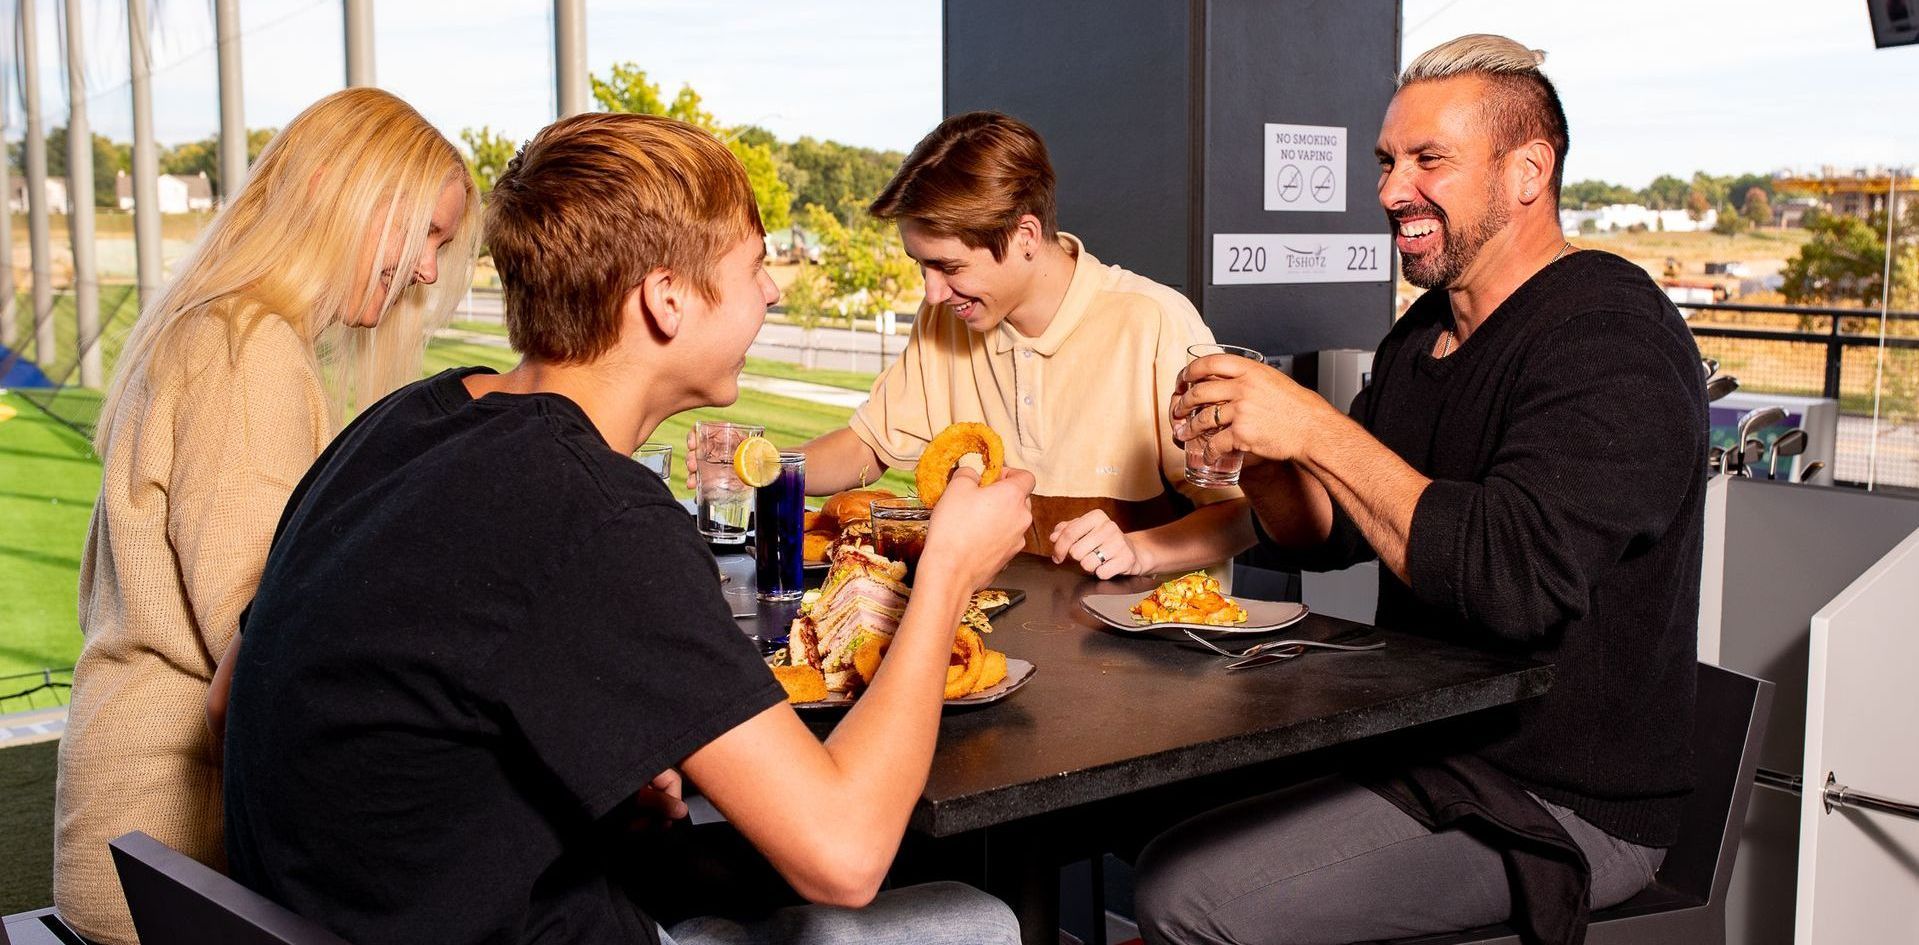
[[1817, 351], [1835, 340], [45, 689]]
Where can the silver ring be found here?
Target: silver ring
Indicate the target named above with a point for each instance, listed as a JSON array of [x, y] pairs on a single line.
[[1216, 422], [1100, 554]]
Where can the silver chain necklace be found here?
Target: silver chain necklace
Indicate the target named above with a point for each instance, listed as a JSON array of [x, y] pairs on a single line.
[[1447, 348]]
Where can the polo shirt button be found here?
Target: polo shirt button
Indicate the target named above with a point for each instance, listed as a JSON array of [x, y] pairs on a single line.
[[1029, 401], [1026, 353]]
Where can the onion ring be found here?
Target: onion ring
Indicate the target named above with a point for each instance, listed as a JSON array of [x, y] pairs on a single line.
[[972, 655], [942, 456]]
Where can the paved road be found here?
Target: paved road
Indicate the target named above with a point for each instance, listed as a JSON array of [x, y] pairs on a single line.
[[833, 348], [784, 387]]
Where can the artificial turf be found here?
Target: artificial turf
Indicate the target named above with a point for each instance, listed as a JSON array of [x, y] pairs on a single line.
[[48, 481]]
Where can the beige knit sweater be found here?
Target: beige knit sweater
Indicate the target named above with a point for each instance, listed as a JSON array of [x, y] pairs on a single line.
[[198, 470]]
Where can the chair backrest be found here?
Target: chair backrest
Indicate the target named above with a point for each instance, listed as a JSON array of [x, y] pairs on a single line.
[[1729, 723], [176, 900]]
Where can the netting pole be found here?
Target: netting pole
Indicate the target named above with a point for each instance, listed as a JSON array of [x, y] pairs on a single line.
[[1885, 307], [38, 228], [86, 273], [359, 43], [146, 157], [233, 131], [569, 56], [7, 307]]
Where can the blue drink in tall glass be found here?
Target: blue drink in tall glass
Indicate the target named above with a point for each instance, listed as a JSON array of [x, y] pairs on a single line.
[[778, 543]]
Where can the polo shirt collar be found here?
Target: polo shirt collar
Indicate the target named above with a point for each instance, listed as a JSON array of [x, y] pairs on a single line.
[[1072, 307]]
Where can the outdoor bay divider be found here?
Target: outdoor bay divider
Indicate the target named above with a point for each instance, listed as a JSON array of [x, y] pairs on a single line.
[[1776, 554]]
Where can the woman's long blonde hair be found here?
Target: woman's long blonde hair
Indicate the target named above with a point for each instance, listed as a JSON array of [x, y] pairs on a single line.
[[355, 171]]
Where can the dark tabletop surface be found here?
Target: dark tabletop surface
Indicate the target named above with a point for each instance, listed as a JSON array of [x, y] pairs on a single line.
[[1107, 714]]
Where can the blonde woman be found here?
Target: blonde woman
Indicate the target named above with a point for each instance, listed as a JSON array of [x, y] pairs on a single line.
[[352, 238]]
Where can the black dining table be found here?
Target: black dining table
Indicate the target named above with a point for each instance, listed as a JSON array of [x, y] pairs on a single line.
[[1111, 715]]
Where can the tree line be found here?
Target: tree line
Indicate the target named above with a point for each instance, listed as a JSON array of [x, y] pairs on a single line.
[[1742, 200], [111, 158], [823, 187]]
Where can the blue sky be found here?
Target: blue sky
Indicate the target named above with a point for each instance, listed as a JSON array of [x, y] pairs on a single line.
[[1650, 86]]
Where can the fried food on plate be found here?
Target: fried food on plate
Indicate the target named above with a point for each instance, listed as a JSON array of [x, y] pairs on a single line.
[[802, 683], [994, 671], [815, 545], [811, 522], [943, 455], [969, 651], [846, 626], [1190, 598], [867, 656]]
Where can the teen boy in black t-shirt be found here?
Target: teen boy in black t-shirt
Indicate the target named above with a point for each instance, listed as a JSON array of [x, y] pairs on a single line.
[[484, 635]]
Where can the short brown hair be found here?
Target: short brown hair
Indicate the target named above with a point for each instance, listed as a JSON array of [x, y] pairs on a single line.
[[973, 178], [590, 206], [1523, 105]]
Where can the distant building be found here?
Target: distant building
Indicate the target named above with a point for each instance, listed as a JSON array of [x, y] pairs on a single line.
[[1859, 192], [56, 195], [179, 193], [1792, 211], [1625, 216]]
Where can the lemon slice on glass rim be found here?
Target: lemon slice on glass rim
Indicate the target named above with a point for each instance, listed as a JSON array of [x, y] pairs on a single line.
[[757, 461]]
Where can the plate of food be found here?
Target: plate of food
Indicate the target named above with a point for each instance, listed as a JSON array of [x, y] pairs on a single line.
[[1191, 602], [835, 647], [1018, 672], [844, 518]]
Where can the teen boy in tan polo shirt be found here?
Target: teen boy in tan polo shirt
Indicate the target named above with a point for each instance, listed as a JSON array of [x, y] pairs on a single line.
[[1071, 361]]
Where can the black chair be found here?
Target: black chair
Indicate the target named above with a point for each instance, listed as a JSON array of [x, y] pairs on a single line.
[[1686, 904], [176, 900]]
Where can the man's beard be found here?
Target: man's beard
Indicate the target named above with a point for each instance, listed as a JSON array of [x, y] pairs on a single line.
[[1440, 268]]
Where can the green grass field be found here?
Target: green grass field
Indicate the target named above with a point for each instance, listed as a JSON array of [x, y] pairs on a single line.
[[49, 478]]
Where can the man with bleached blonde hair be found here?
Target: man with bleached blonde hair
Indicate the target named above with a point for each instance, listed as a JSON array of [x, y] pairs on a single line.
[[1525, 465]]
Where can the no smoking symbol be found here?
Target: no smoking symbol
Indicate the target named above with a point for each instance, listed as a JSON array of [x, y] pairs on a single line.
[[1322, 184], [1290, 183]]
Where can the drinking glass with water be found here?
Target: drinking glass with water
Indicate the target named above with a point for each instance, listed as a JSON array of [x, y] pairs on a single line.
[[1224, 469], [657, 457], [722, 503]]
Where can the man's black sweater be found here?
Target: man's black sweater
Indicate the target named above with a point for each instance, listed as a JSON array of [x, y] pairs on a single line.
[[1566, 441]]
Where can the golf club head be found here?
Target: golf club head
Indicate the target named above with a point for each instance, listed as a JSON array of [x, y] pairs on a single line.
[[1812, 469], [1759, 418], [1710, 366], [1720, 386], [1715, 458], [1754, 450], [1790, 443]]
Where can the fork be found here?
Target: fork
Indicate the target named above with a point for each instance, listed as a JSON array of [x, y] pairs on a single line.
[[1259, 648]]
